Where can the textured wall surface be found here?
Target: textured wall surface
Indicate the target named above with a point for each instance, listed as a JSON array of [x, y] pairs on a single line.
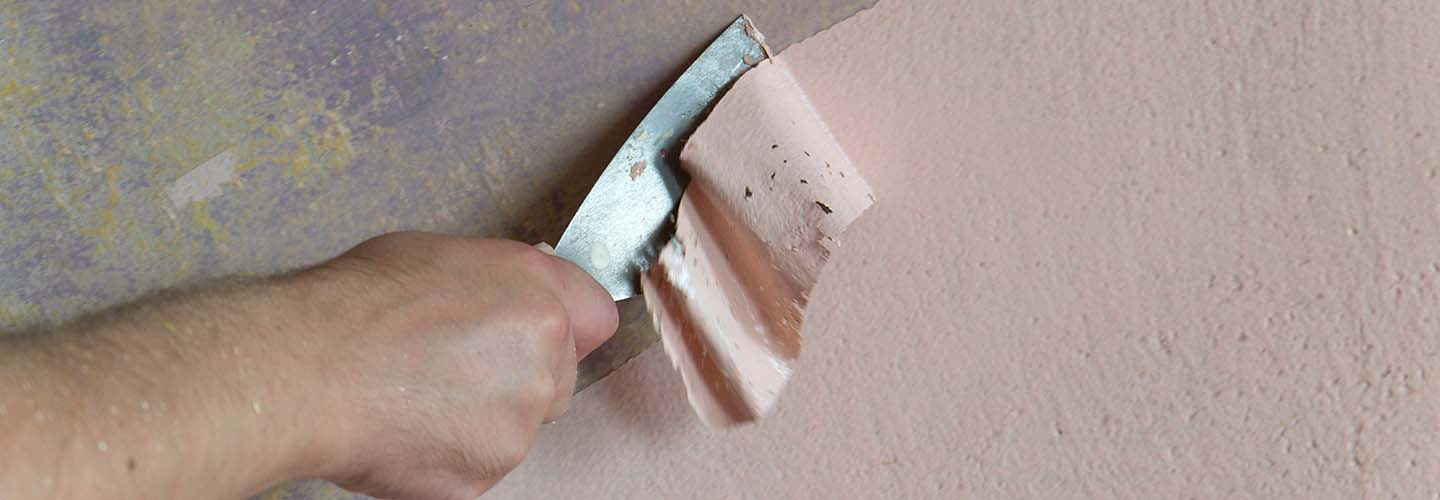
[[1122, 249]]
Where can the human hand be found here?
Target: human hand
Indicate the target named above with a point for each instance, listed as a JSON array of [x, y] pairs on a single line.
[[445, 356]]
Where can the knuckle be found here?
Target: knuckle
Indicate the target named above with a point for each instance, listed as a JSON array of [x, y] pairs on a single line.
[[538, 394], [531, 261], [525, 259], [551, 322]]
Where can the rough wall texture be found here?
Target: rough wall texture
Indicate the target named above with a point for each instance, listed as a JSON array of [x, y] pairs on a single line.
[[1122, 249]]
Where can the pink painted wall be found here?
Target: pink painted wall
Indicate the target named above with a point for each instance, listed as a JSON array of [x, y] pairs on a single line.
[[1122, 249]]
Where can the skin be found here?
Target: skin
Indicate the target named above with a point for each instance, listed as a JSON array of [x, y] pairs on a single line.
[[414, 366]]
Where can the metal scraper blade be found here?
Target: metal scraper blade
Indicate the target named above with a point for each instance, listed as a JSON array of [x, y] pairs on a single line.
[[618, 228]]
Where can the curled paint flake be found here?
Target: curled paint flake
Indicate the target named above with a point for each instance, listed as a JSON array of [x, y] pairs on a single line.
[[730, 303]]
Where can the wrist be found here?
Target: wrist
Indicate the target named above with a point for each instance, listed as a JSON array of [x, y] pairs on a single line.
[[306, 323], [334, 308], [350, 307]]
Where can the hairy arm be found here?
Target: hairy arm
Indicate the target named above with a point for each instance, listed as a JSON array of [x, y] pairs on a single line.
[[142, 402], [414, 366]]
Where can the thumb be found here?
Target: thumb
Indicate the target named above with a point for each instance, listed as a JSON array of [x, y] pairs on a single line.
[[593, 315]]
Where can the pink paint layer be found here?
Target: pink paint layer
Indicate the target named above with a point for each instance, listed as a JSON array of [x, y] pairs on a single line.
[[770, 193], [1124, 249]]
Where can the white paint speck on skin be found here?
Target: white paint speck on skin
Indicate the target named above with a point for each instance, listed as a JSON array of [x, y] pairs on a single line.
[[203, 182], [103, 446], [256, 406]]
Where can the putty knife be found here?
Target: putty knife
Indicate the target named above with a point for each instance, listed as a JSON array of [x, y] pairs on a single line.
[[623, 221]]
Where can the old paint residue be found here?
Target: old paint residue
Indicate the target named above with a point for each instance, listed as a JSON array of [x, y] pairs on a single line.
[[107, 107], [204, 182]]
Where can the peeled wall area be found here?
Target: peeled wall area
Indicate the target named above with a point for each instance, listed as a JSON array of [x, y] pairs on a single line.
[[1121, 249]]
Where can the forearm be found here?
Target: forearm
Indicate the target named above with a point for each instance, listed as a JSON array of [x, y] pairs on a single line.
[[205, 395], [415, 365]]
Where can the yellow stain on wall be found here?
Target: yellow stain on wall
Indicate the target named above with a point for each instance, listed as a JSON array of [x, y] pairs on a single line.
[[300, 162], [200, 216], [188, 88], [334, 144], [105, 230], [317, 140], [54, 187], [16, 313], [15, 96]]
